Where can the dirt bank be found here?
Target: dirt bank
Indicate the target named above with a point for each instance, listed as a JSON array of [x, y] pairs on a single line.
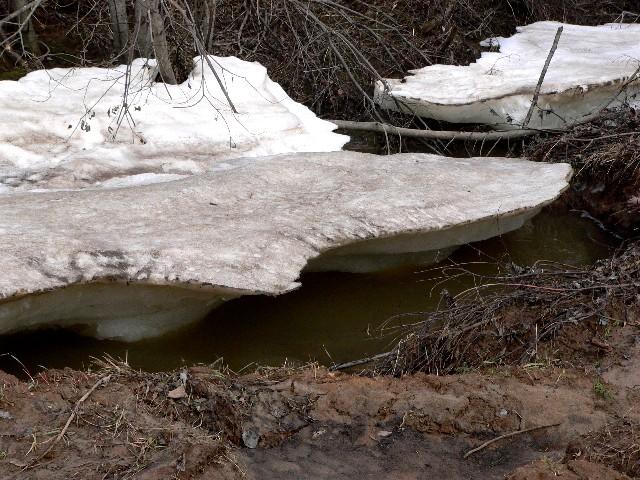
[[312, 423]]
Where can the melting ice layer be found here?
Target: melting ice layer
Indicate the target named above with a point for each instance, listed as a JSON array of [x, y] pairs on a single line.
[[136, 262], [593, 67], [68, 128], [112, 310]]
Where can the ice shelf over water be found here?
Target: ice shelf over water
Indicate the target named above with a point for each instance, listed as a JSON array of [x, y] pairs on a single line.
[[69, 128], [138, 261], [591, 68]]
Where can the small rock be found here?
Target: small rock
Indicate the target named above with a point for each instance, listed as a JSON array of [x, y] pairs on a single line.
[[319, 433], [177, 393], [503, 413], [384, 434], [5, 415], [250, 437]]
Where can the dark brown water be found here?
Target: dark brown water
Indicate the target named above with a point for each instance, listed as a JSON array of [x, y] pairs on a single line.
[[333, 317]]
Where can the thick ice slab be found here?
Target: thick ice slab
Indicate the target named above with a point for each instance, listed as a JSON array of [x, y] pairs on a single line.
[[249, 227], [588, 70], [69, 128]]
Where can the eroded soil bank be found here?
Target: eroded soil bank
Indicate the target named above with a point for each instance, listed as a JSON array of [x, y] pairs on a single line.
[[583, 389]]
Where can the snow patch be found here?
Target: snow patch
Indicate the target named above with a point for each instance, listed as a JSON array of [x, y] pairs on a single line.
[[140, 180], [589, 69], [82, 127], [112, 310]]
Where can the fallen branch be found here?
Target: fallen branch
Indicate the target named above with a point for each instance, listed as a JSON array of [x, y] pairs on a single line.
[[507, 435], [361, 361], [434, 134], [74, 412], [547, 62]]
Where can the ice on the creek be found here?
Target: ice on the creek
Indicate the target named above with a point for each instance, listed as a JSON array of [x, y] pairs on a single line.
[[593, 67], [139, 261], [87, 127]]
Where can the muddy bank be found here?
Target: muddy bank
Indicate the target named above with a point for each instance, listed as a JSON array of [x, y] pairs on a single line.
[[312, 423]]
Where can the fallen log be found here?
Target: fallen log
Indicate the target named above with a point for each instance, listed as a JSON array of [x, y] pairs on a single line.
[[434, 134]]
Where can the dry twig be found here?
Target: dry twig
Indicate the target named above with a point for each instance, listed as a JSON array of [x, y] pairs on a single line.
[[101, 381], [507, 435], [547, 62], [433, 134]]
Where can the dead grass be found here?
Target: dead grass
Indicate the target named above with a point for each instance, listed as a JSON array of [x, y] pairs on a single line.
[[515, 317], [617, 445], [607, 148], [139, 423], [605, 155]]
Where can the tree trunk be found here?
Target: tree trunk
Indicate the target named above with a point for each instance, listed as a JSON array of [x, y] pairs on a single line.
[[152, 37], [143, 29], [28, 35], [208, 15], [119, 26]]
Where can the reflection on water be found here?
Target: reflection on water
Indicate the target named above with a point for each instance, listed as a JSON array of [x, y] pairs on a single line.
[[328, 319]]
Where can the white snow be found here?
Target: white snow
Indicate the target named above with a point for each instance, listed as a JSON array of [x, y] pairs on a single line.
[[139, 180], [589, 68], [73, 258], [68, 128]]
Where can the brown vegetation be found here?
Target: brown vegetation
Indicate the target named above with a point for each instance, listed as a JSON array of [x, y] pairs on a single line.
[[514, 318], [326, 54], [605, 155]]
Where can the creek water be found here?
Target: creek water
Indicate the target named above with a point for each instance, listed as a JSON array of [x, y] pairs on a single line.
[[333, 317]]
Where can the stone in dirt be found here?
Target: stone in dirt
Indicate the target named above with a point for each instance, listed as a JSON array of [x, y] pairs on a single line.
[[593, 67], [137, 262]]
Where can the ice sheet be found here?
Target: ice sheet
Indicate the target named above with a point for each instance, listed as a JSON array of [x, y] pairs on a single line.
[[589, 68]]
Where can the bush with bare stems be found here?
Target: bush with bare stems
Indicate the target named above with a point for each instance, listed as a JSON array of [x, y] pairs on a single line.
[[325, 53]]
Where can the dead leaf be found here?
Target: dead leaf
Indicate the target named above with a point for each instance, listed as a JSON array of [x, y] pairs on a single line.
[[177, 393]]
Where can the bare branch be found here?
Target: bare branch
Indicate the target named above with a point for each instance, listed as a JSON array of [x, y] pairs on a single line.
[[433, 134], [547, 62]]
